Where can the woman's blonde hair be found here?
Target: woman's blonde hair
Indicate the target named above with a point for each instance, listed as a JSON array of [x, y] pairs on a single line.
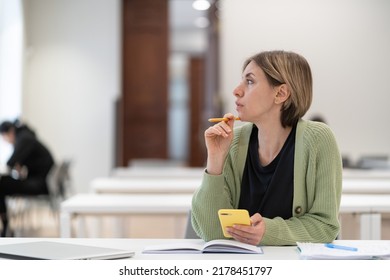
[[281, 67]]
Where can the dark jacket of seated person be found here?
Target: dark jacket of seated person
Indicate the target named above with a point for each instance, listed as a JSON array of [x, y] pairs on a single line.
[[29, 164]]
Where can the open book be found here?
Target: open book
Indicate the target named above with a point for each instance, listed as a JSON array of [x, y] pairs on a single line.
[[346, 249], [199, 246]]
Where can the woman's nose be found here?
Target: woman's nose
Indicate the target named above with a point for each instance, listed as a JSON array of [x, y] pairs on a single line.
[[238, 92]]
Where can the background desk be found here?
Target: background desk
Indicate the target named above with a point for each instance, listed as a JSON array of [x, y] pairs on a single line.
[[145, 185], [157, 172], [368, 207], [174, 206], [366, 186], [130, 185], [366, 173]]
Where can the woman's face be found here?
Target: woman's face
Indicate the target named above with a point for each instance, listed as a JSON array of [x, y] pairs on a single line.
[[255, 97]]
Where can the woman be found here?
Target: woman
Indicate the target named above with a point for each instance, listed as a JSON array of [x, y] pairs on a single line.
[[29, 165], [284, 170]]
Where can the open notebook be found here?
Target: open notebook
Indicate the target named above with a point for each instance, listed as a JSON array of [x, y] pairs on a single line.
[[48, 250], [199, 246]]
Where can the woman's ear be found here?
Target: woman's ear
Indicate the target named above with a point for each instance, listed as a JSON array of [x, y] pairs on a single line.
[[282, 94]]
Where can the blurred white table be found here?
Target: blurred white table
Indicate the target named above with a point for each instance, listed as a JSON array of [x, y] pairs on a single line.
[[369, 207], [366, 186], [366, 173], [127, 185], [110, 204], [157, 172]]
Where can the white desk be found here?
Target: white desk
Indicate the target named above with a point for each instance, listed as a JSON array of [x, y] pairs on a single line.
[[137, 245], [90, 204], [360, 203], [369, 207], [366, 173], [115, 185], [129, 185], [366, 186], [157, 172]]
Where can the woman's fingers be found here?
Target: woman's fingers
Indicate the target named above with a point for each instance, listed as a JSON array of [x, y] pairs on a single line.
[[249, 234], [220, 129]]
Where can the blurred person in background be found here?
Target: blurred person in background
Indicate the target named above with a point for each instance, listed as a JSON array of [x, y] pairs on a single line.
[[28, 167]]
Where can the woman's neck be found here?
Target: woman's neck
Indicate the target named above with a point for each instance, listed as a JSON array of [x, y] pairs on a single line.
[[271, 140]]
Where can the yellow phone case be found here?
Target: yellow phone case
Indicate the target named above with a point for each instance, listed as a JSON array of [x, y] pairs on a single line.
[[230, 217]]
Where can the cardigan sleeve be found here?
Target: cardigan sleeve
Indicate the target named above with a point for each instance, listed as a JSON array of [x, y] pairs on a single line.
[[220, 191], [207, 200]]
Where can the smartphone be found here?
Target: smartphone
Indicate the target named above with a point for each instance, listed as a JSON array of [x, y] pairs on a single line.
[[230, 217]]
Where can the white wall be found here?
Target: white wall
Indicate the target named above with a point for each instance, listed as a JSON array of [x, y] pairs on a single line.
[[347, 44], [11, 66], [72, 77], [72, 69]]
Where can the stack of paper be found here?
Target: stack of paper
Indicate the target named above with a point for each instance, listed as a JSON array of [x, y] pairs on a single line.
[[359, 249]]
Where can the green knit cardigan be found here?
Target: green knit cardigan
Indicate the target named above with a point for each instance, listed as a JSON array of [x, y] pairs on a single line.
[[317, 189]]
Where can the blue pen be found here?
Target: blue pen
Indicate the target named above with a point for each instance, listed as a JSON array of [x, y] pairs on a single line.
[[334, 246]]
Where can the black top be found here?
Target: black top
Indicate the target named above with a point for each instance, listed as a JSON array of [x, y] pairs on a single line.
[[29, 152], [269, 190]]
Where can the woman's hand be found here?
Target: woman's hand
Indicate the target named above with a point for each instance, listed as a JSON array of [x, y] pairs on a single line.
[[218, 139], [252, 234]]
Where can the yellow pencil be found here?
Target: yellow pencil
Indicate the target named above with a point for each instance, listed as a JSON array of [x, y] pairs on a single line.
[[214, 120]]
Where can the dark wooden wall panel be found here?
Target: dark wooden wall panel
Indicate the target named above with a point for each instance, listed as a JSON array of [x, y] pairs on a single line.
[[197, 152], [145, 79]]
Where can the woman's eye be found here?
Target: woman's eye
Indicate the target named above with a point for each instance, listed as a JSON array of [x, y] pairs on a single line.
[[249, 82]]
